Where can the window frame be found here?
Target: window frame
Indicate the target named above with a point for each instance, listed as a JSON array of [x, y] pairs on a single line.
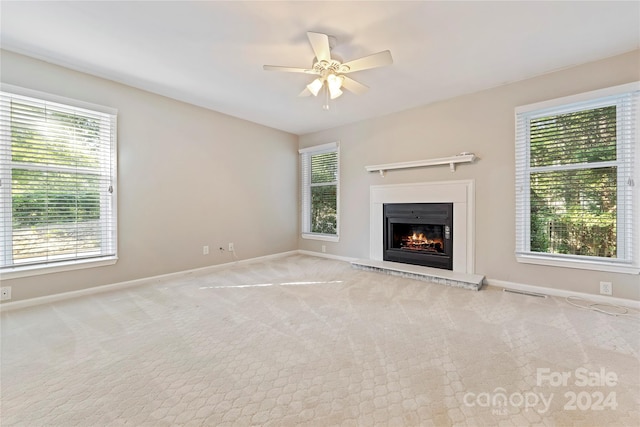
[[6, 230], [628, 218], [305, 209]]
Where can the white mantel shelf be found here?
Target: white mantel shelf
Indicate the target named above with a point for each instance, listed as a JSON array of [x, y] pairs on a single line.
[[451, 161]]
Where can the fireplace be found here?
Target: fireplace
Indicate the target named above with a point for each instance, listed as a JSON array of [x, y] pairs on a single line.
[[461, 193], [419, 233]]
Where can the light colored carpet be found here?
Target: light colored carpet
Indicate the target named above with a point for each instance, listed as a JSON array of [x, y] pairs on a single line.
[[302, 340]]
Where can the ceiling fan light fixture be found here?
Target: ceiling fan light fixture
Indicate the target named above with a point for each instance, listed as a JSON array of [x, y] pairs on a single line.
[[334, 93], [334, 82], [315, 86]]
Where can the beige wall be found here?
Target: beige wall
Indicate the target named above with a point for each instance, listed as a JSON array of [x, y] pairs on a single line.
[[482, 123], [187, 177]]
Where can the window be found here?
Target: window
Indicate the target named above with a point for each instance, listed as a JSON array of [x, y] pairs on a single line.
[[576, 199], [320, 192], [57, 184]]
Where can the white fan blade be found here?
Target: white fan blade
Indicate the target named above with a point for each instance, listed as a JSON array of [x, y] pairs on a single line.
[[353, 86], [320, 45], [379, 59], [288, 69], [305, 92]]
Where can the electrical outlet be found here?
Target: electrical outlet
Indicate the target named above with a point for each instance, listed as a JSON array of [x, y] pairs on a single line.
[[205, 250], [606, 288], [231, 247], [5, 293]]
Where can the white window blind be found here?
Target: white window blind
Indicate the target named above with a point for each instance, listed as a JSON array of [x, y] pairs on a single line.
[[57, 182], [575, 180], [320, 174]]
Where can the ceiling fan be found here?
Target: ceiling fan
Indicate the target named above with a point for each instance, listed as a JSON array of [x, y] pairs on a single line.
[[331, 72]]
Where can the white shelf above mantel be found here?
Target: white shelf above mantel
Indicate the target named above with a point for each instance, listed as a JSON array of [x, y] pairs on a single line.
[[451, 161]]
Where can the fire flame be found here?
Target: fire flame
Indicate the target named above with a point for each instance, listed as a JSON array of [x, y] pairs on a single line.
[[418, 241]]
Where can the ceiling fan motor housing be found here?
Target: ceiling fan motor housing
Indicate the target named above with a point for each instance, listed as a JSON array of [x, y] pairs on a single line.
[[334, 66]]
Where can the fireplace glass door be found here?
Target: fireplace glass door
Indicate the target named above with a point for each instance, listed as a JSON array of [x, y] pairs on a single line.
[[419, 233], [422, 238]]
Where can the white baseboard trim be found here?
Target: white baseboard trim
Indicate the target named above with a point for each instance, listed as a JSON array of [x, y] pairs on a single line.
[[325, 255], [602, 299], [47, 299]]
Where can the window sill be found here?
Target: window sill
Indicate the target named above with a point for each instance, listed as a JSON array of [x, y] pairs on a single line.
[[579, 264], [36, 270], [325, 237]]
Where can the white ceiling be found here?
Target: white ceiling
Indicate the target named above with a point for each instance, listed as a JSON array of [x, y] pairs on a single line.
[[210, 53]]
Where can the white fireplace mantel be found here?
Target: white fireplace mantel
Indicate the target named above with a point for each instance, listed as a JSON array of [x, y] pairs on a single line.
[[461, 193], [463, 157]]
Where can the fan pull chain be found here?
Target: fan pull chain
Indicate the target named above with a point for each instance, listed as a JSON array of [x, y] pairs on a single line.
[[326, 98]]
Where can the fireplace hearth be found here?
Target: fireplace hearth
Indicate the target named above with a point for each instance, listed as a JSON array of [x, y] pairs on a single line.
[[419, 234]]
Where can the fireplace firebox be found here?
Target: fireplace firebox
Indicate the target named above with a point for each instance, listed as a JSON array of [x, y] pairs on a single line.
[[419, 233]]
